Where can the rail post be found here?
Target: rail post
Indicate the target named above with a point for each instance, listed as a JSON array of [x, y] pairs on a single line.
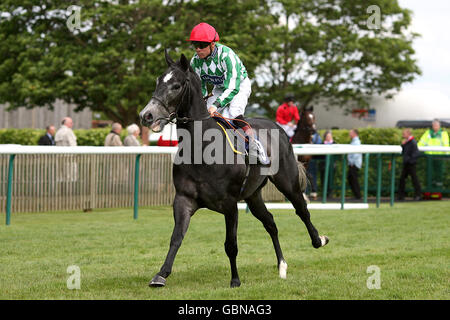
[[392, 179], [325, 178], [9, 192], [344, 169], [136, 186], [379, 163], [366, 177]]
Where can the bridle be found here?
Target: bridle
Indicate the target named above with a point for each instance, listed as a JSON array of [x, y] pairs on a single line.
[[173, 116]]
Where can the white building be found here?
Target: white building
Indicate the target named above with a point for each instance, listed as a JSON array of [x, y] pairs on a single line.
[[39, 118], [409, 104]]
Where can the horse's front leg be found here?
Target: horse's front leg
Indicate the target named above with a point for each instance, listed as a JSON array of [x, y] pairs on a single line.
[[183, 209], [231, 248]]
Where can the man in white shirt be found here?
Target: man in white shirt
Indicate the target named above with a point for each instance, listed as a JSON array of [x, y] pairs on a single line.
[[68, 170], [65, 136]]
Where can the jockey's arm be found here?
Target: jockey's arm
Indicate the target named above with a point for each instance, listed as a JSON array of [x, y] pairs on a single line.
[[232, 81]]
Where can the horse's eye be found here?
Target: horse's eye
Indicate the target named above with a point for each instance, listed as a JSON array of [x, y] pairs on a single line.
[[176, 87]]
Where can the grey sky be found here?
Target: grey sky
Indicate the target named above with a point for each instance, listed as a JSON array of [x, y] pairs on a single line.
[[431, 19]]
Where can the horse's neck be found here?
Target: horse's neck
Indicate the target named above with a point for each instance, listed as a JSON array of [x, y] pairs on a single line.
[[195, 110], [195, 107], [303, 136]]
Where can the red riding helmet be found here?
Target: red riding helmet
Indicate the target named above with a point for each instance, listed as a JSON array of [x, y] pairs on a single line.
[[204, 32]]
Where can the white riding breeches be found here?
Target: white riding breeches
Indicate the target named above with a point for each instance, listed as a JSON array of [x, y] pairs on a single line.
[[290, 130], [239, 102]]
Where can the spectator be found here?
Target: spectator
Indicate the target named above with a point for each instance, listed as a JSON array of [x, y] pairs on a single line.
[[312, 167], [133, 132], [286, 114], [68, 170], [410, 153], [65, 136], [328, 137], [48, 138], [435, 137], [113, 138], [354, 165]]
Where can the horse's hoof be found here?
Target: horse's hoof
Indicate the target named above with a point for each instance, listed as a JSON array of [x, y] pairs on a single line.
[[324, 240], [320, 242], [283, 269], [235, 283], [157, 281]]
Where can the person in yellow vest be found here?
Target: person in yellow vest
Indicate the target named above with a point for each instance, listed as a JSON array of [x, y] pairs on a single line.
[[435, 137]]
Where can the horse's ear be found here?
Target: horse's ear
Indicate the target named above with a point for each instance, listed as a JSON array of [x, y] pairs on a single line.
[[168, 58], [311, 109], [184, 62]]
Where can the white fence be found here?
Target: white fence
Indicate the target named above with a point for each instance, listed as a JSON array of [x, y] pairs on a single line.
[[49, 178]]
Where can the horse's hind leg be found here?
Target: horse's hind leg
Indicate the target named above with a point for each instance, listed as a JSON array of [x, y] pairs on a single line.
[[289, 185], [183, 209], [259, 210]]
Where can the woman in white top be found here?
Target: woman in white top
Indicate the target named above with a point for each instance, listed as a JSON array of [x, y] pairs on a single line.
[[133, 132]]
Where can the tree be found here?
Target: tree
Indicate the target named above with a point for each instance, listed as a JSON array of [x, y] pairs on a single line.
[[341, 51], [107, 65], [109, 62]]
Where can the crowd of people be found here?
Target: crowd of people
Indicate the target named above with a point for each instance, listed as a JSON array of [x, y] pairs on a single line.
[[66, 137], [435, 136]]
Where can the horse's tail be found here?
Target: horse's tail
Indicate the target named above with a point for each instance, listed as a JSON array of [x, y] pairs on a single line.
[[302, 176]]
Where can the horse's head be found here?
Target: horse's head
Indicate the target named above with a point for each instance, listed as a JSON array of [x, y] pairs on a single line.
[[308, 120], [171, 86], [306, 126]]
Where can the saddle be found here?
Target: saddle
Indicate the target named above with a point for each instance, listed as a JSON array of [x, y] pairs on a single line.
[[252, 146], [242, 138]]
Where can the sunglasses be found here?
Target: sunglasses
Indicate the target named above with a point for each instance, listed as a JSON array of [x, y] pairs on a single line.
[[200, 44]]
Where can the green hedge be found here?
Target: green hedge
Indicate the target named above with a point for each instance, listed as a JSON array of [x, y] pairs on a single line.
[[85, 137], [385, 136], [96, 137]]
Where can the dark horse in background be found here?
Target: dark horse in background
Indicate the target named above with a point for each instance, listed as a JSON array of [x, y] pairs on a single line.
[[216, 186], [306, 127]]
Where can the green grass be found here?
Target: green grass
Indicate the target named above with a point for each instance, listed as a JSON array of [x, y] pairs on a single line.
[[118, 256]]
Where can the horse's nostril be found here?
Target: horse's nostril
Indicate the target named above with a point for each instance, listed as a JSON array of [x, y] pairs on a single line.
[[148, 117]]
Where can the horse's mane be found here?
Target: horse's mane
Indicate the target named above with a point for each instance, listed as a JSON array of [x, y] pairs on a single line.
[[195, 80]]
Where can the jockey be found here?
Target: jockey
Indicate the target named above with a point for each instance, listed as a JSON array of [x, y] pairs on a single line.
[[286, 114], [219, 66]]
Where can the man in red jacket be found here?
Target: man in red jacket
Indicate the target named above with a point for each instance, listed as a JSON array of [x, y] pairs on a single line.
[[286, 114]]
